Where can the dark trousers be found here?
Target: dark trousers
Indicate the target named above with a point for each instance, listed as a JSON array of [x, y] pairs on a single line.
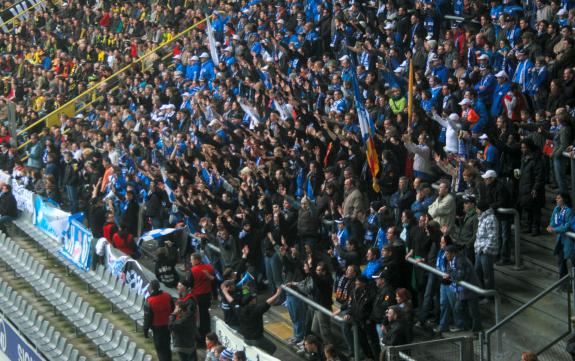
[[204, 302], [162, 343], [188, 356], [506, 240]]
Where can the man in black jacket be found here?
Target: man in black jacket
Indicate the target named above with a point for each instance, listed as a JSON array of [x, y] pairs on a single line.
[[71, 181], [384, 298], [252, 323], [8, 207], [358, 311], [129, 213], [182, 324], [496, 194]]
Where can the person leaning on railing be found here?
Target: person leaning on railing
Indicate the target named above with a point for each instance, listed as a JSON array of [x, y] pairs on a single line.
[[8, 208]]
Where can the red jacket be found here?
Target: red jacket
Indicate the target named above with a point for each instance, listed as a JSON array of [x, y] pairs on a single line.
[[202, 284], [157, 310], [125, 245]]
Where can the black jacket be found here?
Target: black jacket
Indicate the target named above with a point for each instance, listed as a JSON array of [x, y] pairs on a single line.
[[397, 334], [8, 205], [361, 304], [384, 298], [531, 192], [183, 327], [71, 174]]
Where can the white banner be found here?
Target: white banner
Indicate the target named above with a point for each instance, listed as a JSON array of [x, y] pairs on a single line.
[[24, 197], [4, 177], [232, 340], [212, 41]]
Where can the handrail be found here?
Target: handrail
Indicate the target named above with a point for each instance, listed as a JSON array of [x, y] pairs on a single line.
[[572, 159], [328, 313], [483, 292], [496, 328], [466, 347], [529, 303], [469, 286], [516, 223], [105, 81], [517, 234]]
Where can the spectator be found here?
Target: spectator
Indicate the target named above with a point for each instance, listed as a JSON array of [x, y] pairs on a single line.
[[443, 209], [124, 241], [202, 278], [157, 309], [252, 323], [531, 191], [486, 245], [462, 301], [559, 224], [212, 342], [182, 324], [312, 347], [8, 208]]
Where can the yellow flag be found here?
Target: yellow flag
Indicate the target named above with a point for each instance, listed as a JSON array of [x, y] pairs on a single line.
[[410, 94]]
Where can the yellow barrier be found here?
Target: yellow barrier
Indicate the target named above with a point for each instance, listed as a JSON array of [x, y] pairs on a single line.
[[65, 108]]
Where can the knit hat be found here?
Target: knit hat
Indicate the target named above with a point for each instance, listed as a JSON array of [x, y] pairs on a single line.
[[227, 355]]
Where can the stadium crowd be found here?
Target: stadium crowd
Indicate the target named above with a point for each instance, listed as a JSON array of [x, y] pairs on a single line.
[[318, 145]]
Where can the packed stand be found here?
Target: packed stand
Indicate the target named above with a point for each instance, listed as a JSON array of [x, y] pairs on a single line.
[[264, 154]]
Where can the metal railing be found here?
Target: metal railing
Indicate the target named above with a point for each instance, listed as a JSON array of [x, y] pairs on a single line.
[[517, 234], [449, 349], [572, 160], [23, 12], [90, 95], [473, 288], [316, 306], [516, 227], [550, 325]]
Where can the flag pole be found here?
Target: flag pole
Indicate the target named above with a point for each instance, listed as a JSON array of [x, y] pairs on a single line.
[[410, 95]]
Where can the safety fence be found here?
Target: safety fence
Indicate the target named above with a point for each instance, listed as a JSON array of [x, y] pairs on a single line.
[[545, 316], [449, 349]]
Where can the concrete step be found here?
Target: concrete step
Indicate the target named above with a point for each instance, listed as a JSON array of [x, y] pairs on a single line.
[[56, 320], [119, 320]]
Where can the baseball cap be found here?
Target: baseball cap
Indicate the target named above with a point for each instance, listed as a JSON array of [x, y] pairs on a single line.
[[489, 174]]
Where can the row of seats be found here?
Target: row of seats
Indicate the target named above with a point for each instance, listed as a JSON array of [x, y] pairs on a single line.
[[64, 300], [37, 329], [120, 295]]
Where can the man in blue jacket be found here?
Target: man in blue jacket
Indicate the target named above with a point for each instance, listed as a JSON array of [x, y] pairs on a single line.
[[501, 89]]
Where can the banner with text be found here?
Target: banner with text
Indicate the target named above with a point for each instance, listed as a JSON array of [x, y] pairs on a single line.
[[115, 260], [232, 340], [134, 276], [51, 220], [24, 197], [77, 244], [14, 345]]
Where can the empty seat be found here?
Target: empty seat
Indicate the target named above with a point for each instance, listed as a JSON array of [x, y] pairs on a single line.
[[100, 331], [79, 312], [129, 354], [87, 320], [121, 349], [113, 344], [58, 350], [106, 337], [92, 326]]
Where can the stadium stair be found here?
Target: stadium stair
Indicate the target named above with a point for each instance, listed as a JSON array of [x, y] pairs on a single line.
[[88, 315]]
